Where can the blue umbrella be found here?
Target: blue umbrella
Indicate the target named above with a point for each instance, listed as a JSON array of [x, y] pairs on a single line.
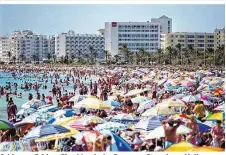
[[45, 130], [118, 143], [113, 103], [69, 113]]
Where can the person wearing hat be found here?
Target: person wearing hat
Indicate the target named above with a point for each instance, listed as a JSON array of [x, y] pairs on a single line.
[[217, 134]]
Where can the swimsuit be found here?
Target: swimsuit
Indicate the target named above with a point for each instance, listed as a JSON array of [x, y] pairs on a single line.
[[168, 144]]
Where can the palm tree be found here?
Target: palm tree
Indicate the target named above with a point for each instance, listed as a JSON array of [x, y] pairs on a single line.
[[49, 56], [34, 57], [62, 59], [117, 58], [106, 55], [220, 55], [142, 54], [91, 49], [109, 57], [95, 56], [190, 51], [14, 59], [66, 59], [125, 51], [54, 58], [72, 56], [22, 56], [9, 54], [169, 50], [159, 52], [178, 49], [79, 55]]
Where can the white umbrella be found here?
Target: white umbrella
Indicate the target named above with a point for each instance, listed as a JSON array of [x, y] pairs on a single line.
[[28, 104], [156, 111], [159, 132], [190, 98], [125, 118], [59, 113], [220, 108]]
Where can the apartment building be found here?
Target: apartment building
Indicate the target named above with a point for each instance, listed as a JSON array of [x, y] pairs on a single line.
[[199, 40], [72, 43]]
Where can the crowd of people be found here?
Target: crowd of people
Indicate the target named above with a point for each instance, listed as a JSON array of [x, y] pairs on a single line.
[[118, 83]]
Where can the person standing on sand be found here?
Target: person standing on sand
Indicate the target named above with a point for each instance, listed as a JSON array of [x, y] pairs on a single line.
[[170, 131]]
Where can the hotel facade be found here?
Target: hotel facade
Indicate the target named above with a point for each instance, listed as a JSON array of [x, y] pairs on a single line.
[[136, 35]]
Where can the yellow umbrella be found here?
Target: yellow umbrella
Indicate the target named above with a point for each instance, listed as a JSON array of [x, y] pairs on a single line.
[[216, 116], [171, 103], [98, 106], [59, 136], [65, 121], [180, 147], [207, 149]]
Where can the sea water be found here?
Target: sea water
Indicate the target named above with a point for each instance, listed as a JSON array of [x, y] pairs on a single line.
[[21, 78]]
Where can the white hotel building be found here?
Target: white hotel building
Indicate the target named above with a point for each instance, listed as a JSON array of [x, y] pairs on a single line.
[[71, 43], [136, 34], [4, 48], [199, 40]]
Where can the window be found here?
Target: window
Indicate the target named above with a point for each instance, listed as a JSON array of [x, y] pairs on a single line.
[[201, 41], [191, 36]]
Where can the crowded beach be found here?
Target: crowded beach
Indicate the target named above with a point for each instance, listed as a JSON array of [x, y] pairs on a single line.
[[95, 108]]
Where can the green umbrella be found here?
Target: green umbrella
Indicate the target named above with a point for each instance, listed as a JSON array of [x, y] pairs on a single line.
[[5, 125]]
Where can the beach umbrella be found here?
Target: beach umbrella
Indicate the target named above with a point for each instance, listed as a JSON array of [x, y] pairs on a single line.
[[189, 98], [113, 103], [48, 108], [134, 92], [180, 147], [140, 99], [16, 146], [159, 132], [220, 107], [65, 122], [186, 83], [32, 103], [81, 123], [161, 82], [146, 105], [125, 118], [94, 103], [72, 132], [157, 111], [118, 143], [5, 125], [134, 80], [45, 130], [217, 116], [112, 126], [148, 124], [171, 102], [207, 149]]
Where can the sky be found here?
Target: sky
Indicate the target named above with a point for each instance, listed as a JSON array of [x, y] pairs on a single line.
[[55, 19]]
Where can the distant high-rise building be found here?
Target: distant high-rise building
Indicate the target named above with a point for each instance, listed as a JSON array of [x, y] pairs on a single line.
[[136, 35]]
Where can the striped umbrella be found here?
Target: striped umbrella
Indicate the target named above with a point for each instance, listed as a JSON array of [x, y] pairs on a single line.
[[5, 125], [148, 124], [125, 118], [45, 130]]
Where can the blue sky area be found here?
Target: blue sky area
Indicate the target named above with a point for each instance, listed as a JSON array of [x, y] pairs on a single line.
[[54, 19]]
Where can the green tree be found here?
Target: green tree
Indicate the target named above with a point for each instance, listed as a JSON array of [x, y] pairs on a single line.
[[142, 54], [9, 54], [117, 58], [125, 51], [159, 52], [54, 58], [106, 55], [178, 49], [91, 49], [169, 50], [49, 56]]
